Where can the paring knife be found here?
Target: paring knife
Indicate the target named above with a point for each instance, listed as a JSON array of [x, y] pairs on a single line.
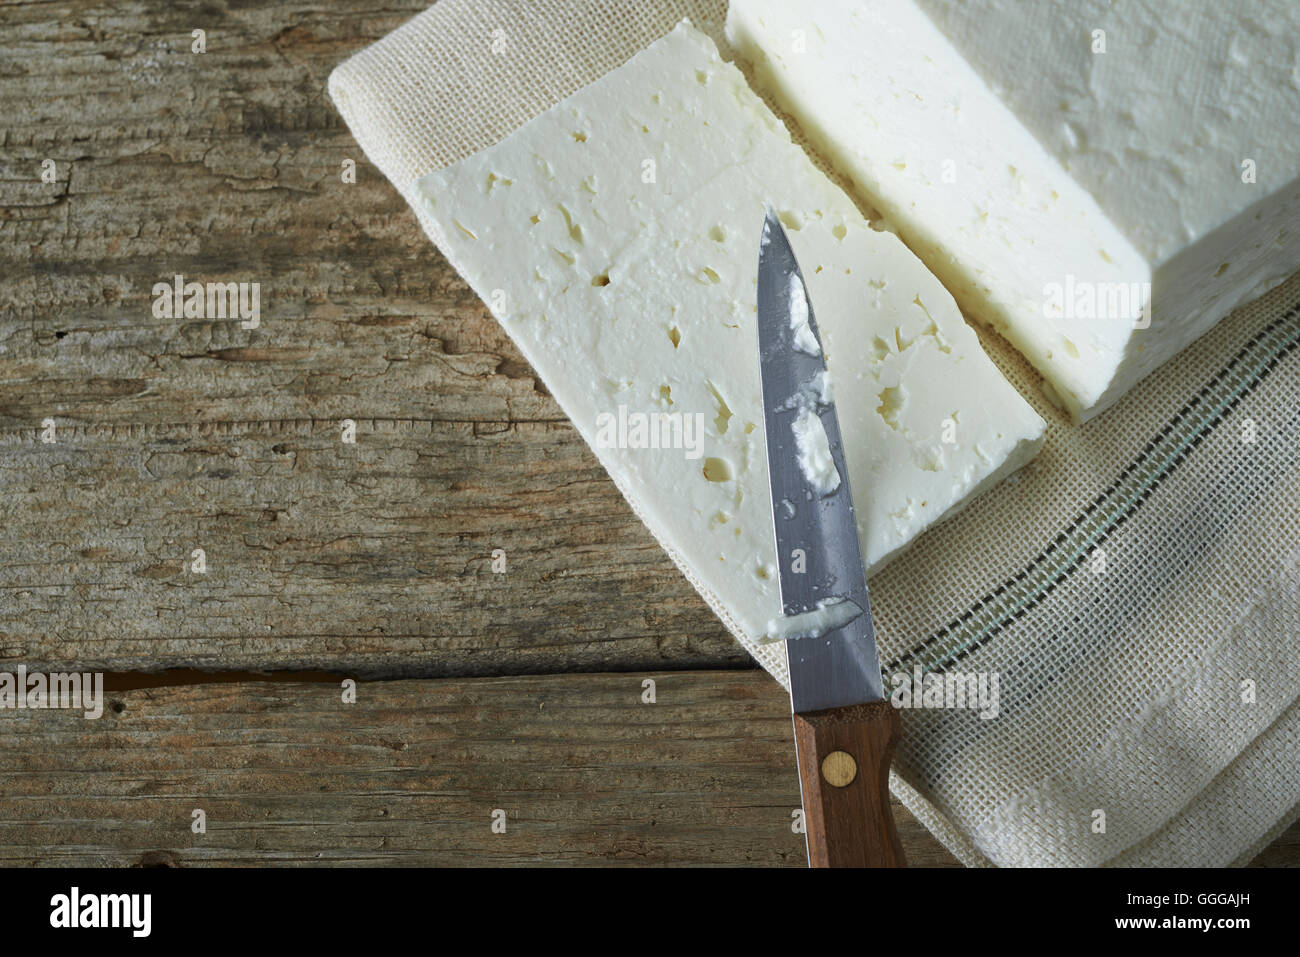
[[844, 728]]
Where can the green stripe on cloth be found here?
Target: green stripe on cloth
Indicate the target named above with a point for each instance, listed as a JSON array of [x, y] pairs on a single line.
[[1196, 419]]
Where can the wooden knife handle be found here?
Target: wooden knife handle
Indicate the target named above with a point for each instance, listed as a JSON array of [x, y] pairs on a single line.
[[844, 756]]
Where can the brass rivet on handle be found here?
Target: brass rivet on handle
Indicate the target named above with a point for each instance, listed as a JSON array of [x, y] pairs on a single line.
[[839, 769]]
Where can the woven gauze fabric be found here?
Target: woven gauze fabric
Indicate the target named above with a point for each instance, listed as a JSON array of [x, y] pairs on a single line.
[[1136, 588]]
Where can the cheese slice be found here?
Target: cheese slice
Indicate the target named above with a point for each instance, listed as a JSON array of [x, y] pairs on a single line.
[[616, 238], [1071, 169]]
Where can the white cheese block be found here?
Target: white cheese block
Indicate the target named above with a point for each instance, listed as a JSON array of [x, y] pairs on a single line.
[[1089, 205], [616, 238]]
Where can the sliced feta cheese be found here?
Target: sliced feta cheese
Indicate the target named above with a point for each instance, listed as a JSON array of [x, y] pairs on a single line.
[[616, 237], [1073, 170]]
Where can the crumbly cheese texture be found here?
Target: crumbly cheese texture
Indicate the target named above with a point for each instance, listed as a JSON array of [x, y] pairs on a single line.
[[1089, 205], [616, 238]]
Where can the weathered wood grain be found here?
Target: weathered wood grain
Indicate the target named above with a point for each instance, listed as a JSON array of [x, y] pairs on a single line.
[[286, 773], [220, 166], [375, 557], [174, 434]]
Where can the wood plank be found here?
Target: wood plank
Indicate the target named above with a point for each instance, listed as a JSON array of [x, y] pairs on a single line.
[[286, 773], [223, 166], [374, 558], [174, 434]]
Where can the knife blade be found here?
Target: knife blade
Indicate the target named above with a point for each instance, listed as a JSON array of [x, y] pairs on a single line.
[[845, 730]]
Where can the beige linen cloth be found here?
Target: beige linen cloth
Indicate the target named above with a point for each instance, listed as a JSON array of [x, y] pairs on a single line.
[[1137, 587]]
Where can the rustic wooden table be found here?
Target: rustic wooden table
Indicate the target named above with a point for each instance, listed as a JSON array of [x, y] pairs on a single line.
[[478, 691]]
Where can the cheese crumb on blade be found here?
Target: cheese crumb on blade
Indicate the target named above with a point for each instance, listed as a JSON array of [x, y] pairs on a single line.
[[814, 448], [1075, 171], [804, 339], [616, 238], [829, 615]]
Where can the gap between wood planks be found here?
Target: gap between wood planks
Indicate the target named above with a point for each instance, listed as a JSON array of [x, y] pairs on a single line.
[[185, 677]]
